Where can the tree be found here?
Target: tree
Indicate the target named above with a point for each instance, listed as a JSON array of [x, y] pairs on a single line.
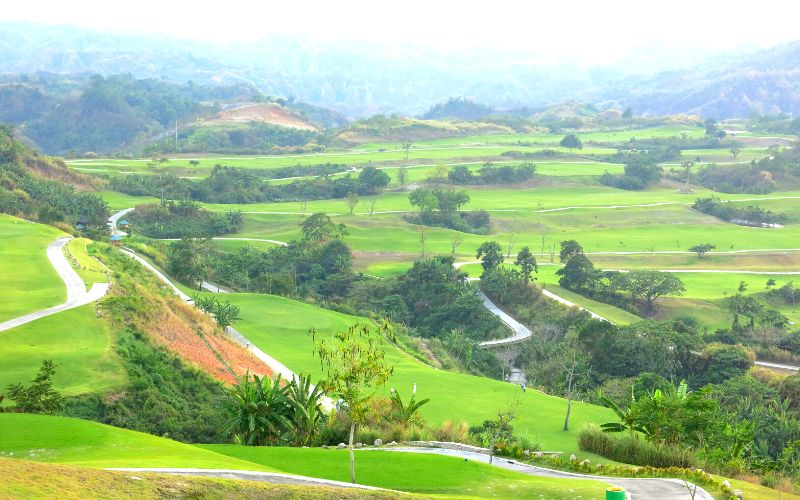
[[527, 262], [351, 200], [371, 205], [306, 409], [318, 229], [735, 149], [491, 255], [455, 242], [650, 285], [194, 163], [572, 362], [406, 146], [569, 248], [354, 364], [687, 167], [702, 249], [39, 397], [502, 425], [225, 313], [424, 199], [258, 411], [407, 414], [571, 142], [423, 238], [188, 260], [372, 181], [578, 273], [401, 176]]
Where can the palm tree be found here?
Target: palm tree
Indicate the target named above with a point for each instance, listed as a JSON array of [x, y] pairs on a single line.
[[306, 409], [407, 414], [258, 410]]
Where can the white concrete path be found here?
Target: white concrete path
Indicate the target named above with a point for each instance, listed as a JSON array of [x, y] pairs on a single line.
[[521, 332], [76, 289]]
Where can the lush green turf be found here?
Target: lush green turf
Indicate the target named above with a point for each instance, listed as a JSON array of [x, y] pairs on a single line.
[[76, 340], [27, 278], [280, 327], [415, 472], [72, 441], [88, 268]]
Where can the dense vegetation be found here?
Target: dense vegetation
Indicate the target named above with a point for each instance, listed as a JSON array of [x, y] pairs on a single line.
[[441, 208], [491, 174], [729, 211], [50, 199], [239, 185], [183, 219], [165, 396], [247, 138], [780, 169]]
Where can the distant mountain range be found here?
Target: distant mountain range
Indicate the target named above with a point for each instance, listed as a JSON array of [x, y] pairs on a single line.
[[358, 79]]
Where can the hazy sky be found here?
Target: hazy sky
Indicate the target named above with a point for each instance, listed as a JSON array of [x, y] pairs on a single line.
[[592, 30]]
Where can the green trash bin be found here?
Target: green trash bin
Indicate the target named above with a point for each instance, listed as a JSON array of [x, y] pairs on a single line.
[[615, 493]]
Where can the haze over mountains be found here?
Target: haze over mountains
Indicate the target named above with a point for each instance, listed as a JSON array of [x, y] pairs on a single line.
[[358, 80]]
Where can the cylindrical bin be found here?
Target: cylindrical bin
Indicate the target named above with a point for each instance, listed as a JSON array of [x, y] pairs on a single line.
[[615, 493]]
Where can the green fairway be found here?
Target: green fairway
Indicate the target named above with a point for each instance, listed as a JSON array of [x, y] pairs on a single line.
[[27, 278], [280, 327], [80, 344], [63, 440], [415, 472]]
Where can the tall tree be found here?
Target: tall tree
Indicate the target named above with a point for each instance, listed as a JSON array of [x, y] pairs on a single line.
[[491, 255], [527, 262], [571, 142], [354, 363]]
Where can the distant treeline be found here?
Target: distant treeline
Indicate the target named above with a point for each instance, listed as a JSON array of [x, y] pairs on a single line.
[[492, 174], [240, 185], [728, 211]]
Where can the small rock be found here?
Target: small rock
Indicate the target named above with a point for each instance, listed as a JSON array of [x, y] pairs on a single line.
[[539, 454], [341, 446], [324, 446], [305, 446], [526, 453], [738, 494], [572, 458], [726, 484], [393, 443], [378, 442], [359, 445], [585, 462]]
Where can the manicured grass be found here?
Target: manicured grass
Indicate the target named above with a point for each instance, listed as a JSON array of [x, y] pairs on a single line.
[[76, 340], [415, 472], [280, 327], [89, 268], [64, 440], [27, 278]]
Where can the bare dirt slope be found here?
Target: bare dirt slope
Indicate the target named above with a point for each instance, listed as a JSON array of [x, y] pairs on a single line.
[[272, 114]]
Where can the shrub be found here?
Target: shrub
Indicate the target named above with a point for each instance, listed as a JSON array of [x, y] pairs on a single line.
[[631, 449]]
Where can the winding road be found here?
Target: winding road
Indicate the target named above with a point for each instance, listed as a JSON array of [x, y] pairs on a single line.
[[76, 289]]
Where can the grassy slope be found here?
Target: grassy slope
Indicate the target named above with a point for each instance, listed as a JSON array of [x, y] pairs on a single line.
[[78, 442], [27, 278], [418, 473], [76, 340], [89, 268], [24, 479], [280, 327]]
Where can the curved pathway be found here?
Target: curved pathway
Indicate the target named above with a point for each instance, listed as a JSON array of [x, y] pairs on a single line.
[[655, 488], [521, 332], [76, 289]]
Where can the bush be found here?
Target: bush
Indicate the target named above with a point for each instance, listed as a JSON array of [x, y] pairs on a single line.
[[632, 450]]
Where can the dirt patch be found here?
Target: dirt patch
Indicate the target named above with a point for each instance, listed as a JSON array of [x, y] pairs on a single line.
[[272, 114], [195, 337]]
